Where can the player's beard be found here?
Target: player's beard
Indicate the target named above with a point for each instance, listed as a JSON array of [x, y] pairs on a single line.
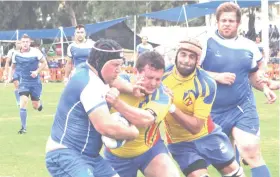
[[185, 71]]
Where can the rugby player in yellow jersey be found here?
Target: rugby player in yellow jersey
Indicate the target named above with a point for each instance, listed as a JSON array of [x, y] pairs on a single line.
[[147, 152], [193, 139]]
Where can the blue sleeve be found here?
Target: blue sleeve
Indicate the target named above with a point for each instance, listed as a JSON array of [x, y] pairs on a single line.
[[125, 77]]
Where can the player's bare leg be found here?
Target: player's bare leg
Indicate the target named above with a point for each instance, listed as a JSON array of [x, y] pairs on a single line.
[[249, 148], [161, 166]]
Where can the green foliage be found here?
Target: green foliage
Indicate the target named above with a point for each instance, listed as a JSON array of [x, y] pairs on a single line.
[[9, 11], [51, 14]]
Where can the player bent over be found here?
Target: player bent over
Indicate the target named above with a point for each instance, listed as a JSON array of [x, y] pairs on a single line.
[[147, 152], [82, 117]]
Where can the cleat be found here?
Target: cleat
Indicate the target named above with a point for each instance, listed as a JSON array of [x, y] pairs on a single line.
[[22, 131], [40, 108]]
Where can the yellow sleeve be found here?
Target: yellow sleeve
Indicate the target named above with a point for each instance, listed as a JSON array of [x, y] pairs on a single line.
[[203, 104], [160, 103]]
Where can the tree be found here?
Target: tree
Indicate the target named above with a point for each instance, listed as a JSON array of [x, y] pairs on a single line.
[[52, 14], [9, 11]]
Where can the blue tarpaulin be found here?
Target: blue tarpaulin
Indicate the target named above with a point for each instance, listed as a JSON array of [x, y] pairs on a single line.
[[177, 14], [242, 3], [53, 33], [197, 10]]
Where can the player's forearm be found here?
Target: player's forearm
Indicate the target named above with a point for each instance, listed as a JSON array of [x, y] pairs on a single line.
[[123, 86], [213, 75], [274, 85], [261, 65], [6, 67], [42, 66], [118, 131], [136, 116], [68, 68], [11, 72], [190, 123], [254, 77]]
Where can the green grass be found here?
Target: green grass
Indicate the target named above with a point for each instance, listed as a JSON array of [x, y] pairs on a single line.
[[24, 155]]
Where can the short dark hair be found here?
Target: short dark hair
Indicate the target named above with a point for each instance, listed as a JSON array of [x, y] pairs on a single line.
[[151, 58], [228, 7], [79, 26]]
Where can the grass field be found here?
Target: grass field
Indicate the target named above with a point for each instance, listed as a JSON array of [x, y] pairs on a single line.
[[24, 155]]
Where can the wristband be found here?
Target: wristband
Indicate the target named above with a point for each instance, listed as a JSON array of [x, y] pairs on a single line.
[[172, 109], [153, 113]]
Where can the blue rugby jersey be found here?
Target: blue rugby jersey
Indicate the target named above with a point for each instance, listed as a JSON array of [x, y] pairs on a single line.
[[79, 52], [26, 62], [72, 128], [239, 56]]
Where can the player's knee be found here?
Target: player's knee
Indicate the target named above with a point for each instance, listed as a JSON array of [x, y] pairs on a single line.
[[236, 173], [251, 151], [23, 101]]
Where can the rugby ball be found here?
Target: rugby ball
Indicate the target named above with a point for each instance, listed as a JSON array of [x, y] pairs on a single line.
[[112, 143]]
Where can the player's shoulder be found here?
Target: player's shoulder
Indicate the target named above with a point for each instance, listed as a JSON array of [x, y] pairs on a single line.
[[11, 50], [34, 50], [16, 53], [205, 80], [83, 76], [90, 42], [73, 44], [150, 46], [127, 77], [160, 95], [247, 44], [246, 41], [211, 34], [168, 71]]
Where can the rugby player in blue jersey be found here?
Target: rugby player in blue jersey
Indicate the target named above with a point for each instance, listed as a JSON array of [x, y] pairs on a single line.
[[82, 116], [78, 51], [233, 62], [27, 60]]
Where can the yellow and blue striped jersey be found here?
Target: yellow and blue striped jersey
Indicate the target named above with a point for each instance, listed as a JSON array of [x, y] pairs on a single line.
[[159, 102], [193, 95]]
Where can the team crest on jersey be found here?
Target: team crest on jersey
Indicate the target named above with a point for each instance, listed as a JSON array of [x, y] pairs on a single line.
[[218, 54], [188, 101], [187, 98]]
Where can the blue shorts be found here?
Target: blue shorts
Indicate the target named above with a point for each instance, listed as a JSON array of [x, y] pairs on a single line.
[[70, 163], [16, 77], [244, 117], [34, 90], [128, 167], [214, 149]]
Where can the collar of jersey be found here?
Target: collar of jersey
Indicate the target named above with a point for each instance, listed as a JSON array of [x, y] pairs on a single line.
[[220, 36], [179, 78]]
